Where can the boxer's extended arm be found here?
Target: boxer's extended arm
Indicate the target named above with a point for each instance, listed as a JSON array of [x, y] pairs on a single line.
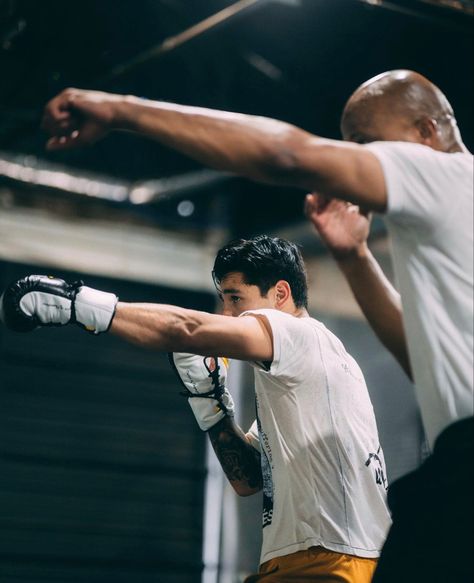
[[344, 229], [238, 458], [259, 148], [173, 329], [38, 300]]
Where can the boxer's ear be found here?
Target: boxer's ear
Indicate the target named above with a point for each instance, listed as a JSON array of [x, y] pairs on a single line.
[[282, 293]]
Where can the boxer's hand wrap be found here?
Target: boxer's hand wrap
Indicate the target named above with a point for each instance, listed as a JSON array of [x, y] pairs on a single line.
[[203, 378], [41, 300]]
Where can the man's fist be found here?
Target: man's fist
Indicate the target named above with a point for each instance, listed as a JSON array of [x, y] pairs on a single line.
[[41, 300], [77, 118]]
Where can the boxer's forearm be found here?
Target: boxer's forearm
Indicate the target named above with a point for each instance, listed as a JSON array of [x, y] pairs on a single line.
[[161, 327], [379, 302], [149, 325], [168, 328], [239, 460]]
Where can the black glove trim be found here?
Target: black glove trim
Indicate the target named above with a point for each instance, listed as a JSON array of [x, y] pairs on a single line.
[[75, 286]]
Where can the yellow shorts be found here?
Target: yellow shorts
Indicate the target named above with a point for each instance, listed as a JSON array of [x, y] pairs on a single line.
[[316, 565]]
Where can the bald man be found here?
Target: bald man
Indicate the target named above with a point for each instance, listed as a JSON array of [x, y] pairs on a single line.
[[419, 174]]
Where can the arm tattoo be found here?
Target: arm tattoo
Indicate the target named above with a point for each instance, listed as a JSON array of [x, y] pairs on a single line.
[[239, 460]]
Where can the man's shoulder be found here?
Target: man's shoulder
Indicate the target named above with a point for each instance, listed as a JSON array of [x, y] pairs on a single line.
[[285, 325], [279, 316], [414, 152]]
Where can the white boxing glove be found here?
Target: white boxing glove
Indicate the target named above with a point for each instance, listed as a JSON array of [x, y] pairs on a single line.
[[42, 300], [203, 378]]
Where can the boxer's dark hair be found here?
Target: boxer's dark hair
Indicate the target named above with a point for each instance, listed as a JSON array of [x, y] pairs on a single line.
[[263, 261]]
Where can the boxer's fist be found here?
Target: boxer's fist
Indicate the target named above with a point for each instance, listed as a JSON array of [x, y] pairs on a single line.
[[37, 300], [41, 300], [204, 380]]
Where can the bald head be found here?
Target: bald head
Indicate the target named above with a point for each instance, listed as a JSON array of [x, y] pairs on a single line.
[[401, 106]]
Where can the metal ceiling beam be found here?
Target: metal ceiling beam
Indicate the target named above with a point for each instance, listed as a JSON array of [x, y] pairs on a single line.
[[466, 6], [424, 9], [35, 172], [173, 42]]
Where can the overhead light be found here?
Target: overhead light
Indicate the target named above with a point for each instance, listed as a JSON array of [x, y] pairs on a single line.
[[185, 208]]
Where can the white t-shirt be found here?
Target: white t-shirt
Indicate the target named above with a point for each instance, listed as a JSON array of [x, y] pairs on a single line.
[[323, 467], [430, 220]]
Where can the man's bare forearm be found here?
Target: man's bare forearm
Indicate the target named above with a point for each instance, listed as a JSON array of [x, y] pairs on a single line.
[[258, 147], [379, 302], [159, 327], [238, 458]]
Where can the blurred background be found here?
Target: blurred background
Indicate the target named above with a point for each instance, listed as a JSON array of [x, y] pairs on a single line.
[[105, 475]]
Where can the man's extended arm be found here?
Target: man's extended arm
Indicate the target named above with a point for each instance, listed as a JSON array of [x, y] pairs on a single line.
[[39, 300], [170, 328], [345, 229], [256, 147]]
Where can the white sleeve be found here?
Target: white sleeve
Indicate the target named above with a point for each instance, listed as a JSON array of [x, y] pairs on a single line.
[[252, 434], [293, 344], [420, 181]]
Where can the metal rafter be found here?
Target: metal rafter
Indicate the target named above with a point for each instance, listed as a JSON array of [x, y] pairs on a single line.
[[417, 8]]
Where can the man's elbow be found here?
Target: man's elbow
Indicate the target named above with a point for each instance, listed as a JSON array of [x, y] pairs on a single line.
[[243, 490]]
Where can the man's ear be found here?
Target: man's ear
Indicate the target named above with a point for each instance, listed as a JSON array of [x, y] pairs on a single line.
[[428, 130], [282, 292]]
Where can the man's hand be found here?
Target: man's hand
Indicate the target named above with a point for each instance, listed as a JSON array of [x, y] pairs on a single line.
[[342, 226], [42, 300], [76, 118], [204, 381]]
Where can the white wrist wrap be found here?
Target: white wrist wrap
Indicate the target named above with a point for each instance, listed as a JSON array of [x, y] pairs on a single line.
[[94, 309], [203, 378]]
